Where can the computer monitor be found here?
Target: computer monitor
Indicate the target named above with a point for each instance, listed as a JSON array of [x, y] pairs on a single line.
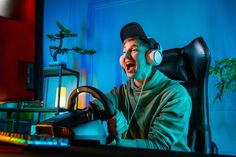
[[21, 50]]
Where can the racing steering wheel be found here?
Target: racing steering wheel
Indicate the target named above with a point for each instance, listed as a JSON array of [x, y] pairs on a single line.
[[109, 109]]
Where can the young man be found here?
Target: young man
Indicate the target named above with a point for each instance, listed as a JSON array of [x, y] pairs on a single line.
[[152, 111]]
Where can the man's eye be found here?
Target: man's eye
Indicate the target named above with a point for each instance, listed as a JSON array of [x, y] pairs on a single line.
[[127, 51]]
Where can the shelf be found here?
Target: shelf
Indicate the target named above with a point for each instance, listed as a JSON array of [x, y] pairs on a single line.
[[60, 71], [55, 70]]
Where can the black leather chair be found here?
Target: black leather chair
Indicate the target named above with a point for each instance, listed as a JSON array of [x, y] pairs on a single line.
[[190, 65]]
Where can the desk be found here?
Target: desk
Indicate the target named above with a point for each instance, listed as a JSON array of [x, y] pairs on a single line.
[[95, 151], [18, 109], [32, 109]]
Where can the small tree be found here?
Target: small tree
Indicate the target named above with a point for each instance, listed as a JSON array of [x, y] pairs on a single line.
[[65, 33]]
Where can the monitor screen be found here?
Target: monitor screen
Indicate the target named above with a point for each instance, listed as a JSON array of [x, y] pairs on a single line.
[[20, 51]]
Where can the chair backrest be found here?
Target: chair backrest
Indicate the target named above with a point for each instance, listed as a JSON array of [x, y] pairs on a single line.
[[190, 65]]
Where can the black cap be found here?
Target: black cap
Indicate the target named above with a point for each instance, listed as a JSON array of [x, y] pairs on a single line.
[[132, 29]]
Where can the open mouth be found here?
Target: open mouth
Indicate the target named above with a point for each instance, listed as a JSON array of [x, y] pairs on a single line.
[[130, 66]]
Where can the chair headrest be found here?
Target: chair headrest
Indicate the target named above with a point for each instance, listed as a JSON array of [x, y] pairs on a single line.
[[186, 63], [199, 57], [173, 65]]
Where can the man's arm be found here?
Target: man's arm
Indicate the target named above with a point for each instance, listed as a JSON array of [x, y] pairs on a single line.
[[167, 128]]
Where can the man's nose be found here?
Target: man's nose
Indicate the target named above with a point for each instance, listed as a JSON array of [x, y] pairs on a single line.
[[127, 54]]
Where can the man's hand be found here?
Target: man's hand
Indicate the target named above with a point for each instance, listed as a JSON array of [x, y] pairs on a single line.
[[117, 125]]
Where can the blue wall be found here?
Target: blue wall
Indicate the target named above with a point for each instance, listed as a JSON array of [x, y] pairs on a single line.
[[174, 23]]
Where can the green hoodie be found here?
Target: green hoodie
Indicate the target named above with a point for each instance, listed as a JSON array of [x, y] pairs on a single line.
[[161, 120]]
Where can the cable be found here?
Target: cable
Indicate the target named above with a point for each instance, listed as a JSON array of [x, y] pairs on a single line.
[[136, 106], [126, 95]]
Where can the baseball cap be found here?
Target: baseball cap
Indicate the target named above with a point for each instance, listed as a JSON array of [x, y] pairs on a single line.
[[132, 29]]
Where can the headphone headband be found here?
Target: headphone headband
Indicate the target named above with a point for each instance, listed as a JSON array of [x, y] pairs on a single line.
[[153, 44]]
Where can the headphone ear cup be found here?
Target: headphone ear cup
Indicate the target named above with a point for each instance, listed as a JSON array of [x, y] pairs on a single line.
[[121, 61], [154, 57]]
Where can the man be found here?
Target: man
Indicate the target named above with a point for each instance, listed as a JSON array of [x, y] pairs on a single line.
[[152, 111]]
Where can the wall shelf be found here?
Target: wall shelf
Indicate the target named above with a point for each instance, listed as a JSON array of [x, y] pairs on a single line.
[[52, 71], [60, 71]]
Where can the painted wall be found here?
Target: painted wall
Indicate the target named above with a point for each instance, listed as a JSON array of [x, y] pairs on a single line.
[[173, 23], [72, 15]]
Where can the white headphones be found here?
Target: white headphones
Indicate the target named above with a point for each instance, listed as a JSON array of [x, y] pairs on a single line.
[[153, 56]]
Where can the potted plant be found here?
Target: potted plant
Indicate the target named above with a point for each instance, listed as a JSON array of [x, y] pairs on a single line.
[[64, 33], [225, 71]]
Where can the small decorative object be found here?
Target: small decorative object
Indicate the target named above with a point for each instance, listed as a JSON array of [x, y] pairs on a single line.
[[62, 97], [225, 71], [64, 33]]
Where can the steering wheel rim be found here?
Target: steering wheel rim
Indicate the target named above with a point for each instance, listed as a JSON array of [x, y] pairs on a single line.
[[109, 109], [96, 94]]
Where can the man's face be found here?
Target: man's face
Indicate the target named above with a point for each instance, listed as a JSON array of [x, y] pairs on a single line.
[[133, 59]]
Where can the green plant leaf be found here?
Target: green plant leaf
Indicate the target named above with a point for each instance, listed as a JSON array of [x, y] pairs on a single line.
[[50, 36], [90, 51], [62, 27], [225, 71], [76, 48], [53, 47]]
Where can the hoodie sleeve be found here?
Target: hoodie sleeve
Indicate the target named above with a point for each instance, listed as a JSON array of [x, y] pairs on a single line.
[[171, 124], [167, 128]]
